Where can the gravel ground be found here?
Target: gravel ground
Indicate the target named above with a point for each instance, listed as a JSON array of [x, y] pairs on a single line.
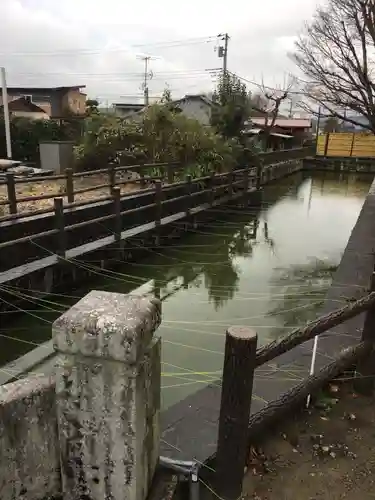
[[57, 188], [325, 453]]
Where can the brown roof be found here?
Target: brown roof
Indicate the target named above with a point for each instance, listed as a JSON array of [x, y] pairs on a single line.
[[284, 122], [29, 89], [21, 104]]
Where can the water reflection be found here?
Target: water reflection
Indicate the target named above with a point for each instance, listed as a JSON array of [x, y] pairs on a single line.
[[268, 269], [298, 286]]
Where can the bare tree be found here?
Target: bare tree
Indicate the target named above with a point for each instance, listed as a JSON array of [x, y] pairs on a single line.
[[337, 55], [273, 99]]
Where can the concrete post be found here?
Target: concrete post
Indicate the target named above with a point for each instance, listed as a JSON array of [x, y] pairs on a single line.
[[108, 396]]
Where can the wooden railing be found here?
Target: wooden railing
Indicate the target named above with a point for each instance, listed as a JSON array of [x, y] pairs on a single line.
[[66, 230], [155, 203], [237, 430], [168, 172]]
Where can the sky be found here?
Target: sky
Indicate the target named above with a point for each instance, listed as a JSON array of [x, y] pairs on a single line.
[[101, 44]]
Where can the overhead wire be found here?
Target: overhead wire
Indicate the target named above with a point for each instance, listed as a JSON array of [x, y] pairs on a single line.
[[79, 52]]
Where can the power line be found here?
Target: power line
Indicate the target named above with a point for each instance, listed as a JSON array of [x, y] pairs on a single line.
[[74, 52], [119, 74], [260, 85]]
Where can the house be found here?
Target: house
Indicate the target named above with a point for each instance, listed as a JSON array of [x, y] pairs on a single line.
[[123, 110], [57, 102], [285, 131], [23, 107], [195, 106], [290, 126]]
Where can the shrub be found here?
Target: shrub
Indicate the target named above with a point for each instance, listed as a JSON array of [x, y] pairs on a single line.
[[27, 134], [161, 136]]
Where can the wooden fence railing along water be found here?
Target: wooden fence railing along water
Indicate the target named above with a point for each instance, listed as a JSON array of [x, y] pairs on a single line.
[[68, 232], [237, 430], [238, 427], [147, 174]]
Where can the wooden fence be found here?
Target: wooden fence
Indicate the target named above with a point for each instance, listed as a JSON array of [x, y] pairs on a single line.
[[147, 174], [236, 428], [346, 145], [66, 231]]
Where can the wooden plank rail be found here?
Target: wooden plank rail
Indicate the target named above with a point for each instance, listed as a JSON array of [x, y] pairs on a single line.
[[275, 410], [300, 335], [230, 461]]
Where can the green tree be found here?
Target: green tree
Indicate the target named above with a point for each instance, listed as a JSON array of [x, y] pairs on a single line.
[[232, 108], [92, 106], [161, 136], [166, 96], [27, 134]]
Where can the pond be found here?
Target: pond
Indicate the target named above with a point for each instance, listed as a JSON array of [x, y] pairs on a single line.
[[268, 269]]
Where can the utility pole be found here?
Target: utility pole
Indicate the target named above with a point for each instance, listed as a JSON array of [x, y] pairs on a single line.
[[223, 50], [291, 109], [146, 59], [146, 76], [6, 113]]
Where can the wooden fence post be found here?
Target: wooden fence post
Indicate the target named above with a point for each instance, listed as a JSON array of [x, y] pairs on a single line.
[[326, 144], [60, 226], [188, 194], [12, 197], [111, 177], [158, 200], [117, 211], [69, 185], [352, 145], [212, 186], [364, 381], [259, 168], [246, 180], [170, 174], [230, 179], [142, 176], [237, 388]]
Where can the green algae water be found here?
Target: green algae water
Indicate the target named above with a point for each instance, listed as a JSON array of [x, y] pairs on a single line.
[[268, 269]]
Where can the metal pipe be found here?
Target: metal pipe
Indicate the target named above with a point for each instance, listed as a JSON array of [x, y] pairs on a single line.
[[190, 469], [177, 465], [6, 113], [194, 483]]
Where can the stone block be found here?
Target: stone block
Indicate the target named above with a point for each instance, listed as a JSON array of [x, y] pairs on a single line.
[[108, 396], [29, 447], [108, 325]]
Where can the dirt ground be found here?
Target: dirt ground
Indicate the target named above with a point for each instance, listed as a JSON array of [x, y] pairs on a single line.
[[327, 453], [57, 188]]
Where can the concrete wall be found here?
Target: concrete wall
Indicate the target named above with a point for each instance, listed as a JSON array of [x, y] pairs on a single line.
[[29, 452], [56, 155]]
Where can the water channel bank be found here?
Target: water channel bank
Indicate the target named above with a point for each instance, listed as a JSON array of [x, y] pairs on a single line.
[[268, 268]]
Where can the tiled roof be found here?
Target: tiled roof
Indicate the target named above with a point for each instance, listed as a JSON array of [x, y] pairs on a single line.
[[285, 122]]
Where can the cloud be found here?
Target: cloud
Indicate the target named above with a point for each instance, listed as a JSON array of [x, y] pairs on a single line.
[[99, 43]]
